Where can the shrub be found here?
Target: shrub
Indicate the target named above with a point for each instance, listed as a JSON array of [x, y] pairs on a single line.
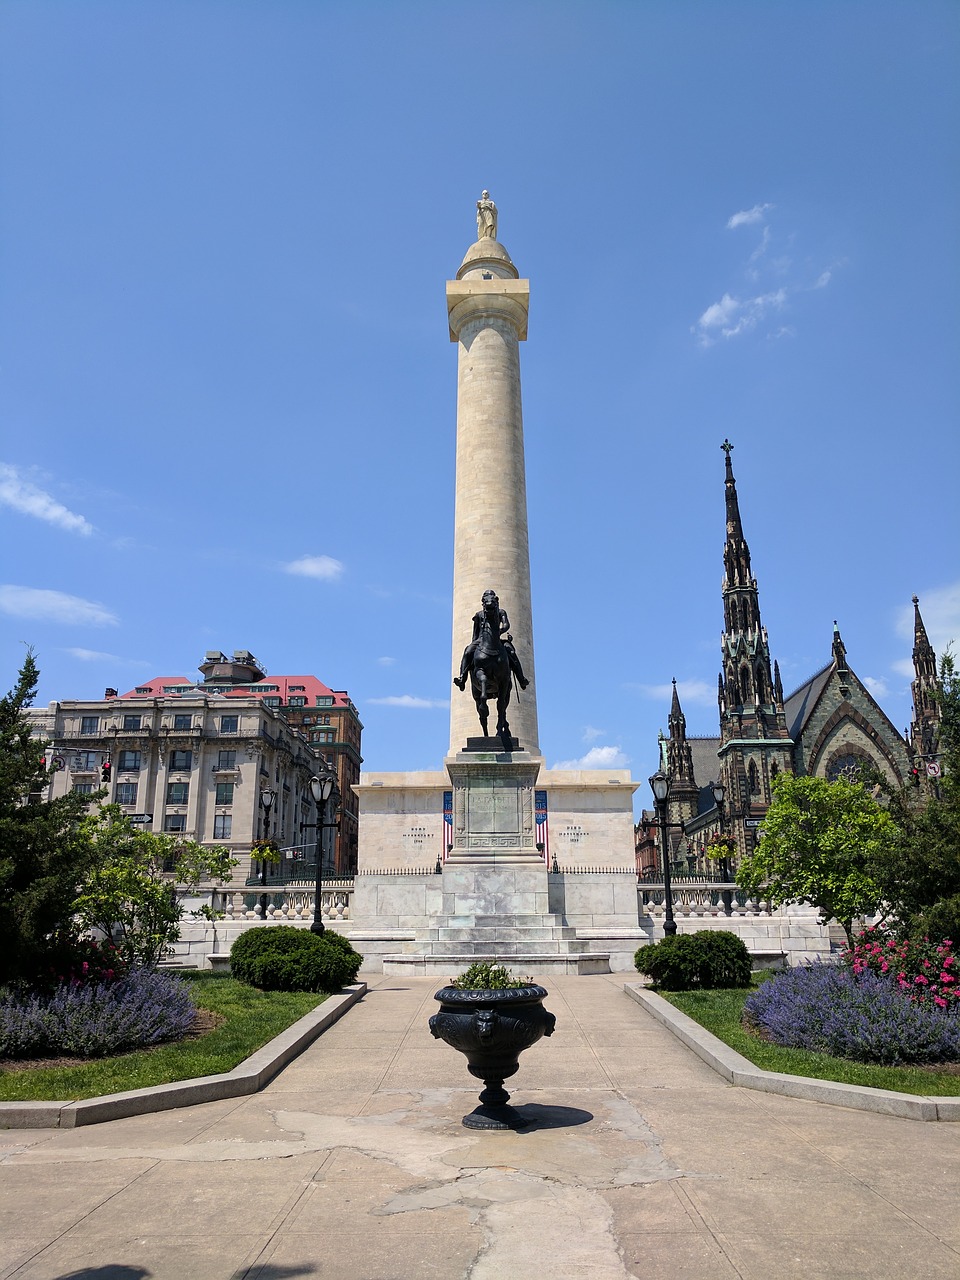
[[864, 1016], [924, 970], [709, 958], [95, 1019], [285, 958], [939, 922], [484, 976]]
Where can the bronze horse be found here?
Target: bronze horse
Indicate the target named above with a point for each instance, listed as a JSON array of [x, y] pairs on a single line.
[[492, 662]]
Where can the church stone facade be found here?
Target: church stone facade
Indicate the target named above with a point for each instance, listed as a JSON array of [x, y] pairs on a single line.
[[828, 727]]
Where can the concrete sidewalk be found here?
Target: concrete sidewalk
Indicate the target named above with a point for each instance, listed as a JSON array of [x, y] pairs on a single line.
[[353, 1165]]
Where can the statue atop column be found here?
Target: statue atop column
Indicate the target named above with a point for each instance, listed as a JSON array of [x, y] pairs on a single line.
[[486, 218], [492, 664]]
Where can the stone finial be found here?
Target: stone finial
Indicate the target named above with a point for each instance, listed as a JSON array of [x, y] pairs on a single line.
[[486, 218]]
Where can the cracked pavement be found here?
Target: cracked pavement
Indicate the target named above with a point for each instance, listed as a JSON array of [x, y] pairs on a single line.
[[353, 1165]]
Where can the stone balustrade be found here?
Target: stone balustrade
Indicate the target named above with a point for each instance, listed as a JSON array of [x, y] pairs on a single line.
[[290, 902], [693, 899]]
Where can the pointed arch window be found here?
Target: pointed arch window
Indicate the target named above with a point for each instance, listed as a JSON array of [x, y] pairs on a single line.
[[753, 778]]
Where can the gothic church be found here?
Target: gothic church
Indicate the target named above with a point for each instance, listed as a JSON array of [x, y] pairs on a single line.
[[824, 729]]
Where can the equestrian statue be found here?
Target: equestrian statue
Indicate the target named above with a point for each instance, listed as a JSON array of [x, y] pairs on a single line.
[[492, 664]]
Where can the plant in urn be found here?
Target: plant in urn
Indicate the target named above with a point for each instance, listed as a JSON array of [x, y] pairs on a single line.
[[491, 1018]]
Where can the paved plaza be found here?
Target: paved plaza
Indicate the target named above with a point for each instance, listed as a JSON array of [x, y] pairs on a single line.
[[353, 1165]]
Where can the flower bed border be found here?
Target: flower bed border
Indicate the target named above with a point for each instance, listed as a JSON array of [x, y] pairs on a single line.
[[740, 1071], [249, 1076]]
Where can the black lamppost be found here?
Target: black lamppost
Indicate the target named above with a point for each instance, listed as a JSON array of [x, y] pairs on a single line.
[[326, 793], [267, 798], [660, 785], [726, 896]]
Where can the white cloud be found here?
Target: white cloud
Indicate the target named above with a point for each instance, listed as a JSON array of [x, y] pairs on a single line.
[[823, 279], [92, 655], [903, 667], [731, 316], [386, 662], [697, 692], [597, 758], [761, 248], [53, 606], [20, 495], [590, 734], [408, 700], [877, 687], [748, 217], [324, 567]]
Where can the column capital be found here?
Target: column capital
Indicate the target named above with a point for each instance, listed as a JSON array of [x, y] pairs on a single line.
[[498, 299]]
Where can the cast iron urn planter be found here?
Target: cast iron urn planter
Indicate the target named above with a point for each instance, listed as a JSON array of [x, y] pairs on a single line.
[[492, 1028]]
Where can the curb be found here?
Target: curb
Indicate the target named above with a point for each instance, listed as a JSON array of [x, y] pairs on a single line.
[[741, 1072], [249, 1076]]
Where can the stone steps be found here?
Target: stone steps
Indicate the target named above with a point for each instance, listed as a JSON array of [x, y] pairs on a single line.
[[428, 964]]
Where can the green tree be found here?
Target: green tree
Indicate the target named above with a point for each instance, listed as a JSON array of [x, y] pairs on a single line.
[[128, 894], [820, 842], [43, 853]]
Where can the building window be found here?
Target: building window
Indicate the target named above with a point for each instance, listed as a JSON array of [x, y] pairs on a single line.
[[181, 761], [324, 720], [126, 793], [177, 792], [128, 762], [131, 722], [175, 822], [753, 779], [226, 760], [271, 702], [297, 688], [849, 765], [326, 701], [144, 688], [86, 761], [222, 826], [89, 724], [183, 723], [224, 793], [298, 702], [83, 788], [229, 724]]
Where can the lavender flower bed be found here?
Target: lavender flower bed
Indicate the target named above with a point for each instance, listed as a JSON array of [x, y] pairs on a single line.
[[862, 1017], [95, 1019]]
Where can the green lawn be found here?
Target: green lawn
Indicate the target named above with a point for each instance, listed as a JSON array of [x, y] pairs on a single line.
[[252, 1018], [721, 1011]]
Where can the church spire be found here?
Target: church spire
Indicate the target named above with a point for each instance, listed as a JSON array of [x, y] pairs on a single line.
[[754, 743], [683, 786], [925, 687]]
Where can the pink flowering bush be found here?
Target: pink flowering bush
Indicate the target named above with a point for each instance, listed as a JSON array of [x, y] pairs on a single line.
[[927, 972]]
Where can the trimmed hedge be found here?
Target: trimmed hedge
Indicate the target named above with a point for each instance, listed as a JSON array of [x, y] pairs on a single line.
[[709, 958], [285, 958]]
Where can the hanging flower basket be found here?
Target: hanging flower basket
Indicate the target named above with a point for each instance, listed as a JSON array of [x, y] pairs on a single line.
[[266, 851]]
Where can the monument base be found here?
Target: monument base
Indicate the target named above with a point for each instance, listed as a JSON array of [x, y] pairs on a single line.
[[495, 746], [496, 896]]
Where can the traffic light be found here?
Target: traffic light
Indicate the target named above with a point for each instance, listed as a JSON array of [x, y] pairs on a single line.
[[105, 771]]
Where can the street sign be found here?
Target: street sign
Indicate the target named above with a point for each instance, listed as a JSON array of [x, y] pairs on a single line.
[[933, 769], [140, 817], [752, 822]]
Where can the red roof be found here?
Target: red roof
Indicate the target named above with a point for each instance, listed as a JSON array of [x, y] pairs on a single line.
[[282, 687]]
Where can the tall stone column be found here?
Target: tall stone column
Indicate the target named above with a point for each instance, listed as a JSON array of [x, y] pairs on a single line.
[[487, 307]]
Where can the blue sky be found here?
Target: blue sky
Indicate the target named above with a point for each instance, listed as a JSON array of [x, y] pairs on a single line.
[[224, 357]]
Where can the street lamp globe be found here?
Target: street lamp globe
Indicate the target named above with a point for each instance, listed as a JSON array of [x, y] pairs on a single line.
[[321, 788], [661, 786], [719, 791]]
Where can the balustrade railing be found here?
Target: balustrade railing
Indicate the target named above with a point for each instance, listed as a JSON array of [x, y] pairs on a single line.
[[699, 898], [291, 901]]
